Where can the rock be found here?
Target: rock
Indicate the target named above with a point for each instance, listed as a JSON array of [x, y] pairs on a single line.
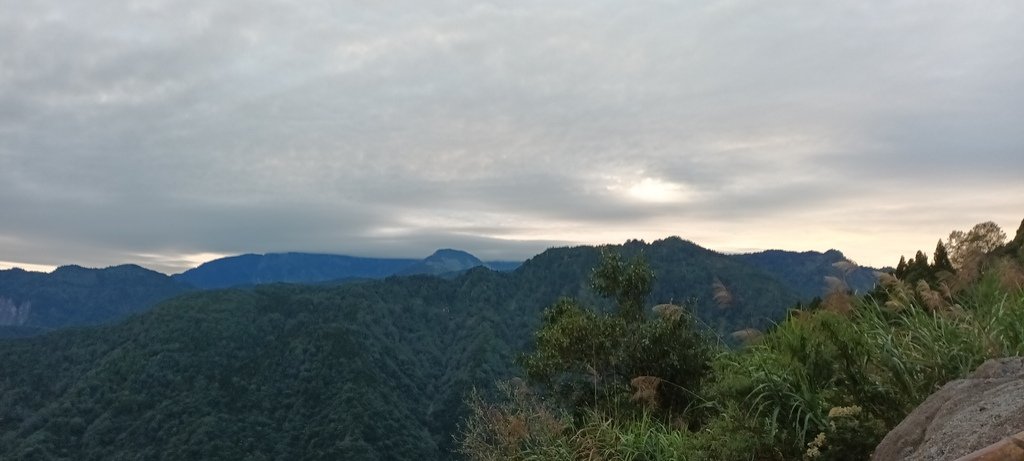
[[964, 416]]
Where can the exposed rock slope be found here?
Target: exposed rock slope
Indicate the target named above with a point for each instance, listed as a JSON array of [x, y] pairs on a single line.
[[962, 417]]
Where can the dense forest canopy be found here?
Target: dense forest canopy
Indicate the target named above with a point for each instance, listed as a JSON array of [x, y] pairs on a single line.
[[73, 295], [376, 369]]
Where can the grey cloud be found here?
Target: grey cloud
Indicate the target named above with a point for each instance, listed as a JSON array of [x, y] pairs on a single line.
[[167, 128]]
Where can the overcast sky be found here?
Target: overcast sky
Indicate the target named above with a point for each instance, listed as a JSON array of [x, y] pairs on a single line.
[[166, 133]]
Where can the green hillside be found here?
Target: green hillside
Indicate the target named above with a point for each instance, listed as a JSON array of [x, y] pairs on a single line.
[[365, 370], [31, 302]]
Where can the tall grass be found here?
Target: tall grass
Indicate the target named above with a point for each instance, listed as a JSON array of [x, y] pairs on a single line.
[[524, 429], [885, 359]]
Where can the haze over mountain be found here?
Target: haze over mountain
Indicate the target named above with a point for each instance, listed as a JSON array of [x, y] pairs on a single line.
[[253, 269], [33, 302]]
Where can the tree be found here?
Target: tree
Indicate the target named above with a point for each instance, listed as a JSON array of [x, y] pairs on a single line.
[[940, 261], [577, 354], [627, 283], [918, 268], [1016, 246], [901, 268], [587, 359], [966, 246]]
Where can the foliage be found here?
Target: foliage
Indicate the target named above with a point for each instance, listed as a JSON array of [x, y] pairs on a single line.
[[586, 361], [585, 358], [523, 428], [882, 359], [965, 247], [941, 261], [850, 435], [519, 426], [577, 354], [627, 283], [364, 370], [266, 374]]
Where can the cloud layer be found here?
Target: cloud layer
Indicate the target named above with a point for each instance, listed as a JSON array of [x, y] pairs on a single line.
[[165, 132]]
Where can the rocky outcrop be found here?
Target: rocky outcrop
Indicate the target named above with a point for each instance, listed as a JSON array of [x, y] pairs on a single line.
[[964, 416]]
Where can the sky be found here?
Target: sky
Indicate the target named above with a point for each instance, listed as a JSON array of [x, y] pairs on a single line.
[[167, 133]]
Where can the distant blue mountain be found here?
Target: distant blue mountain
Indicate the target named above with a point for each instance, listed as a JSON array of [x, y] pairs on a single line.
[[34, 302], [254, 269], [803, 272], [443, 261]]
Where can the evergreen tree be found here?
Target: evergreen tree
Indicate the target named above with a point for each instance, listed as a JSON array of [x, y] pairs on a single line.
[[901, 268], [918, 268], [940, 261]]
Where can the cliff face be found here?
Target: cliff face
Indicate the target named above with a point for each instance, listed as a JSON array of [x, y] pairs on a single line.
[[11, 313], [964, 416]]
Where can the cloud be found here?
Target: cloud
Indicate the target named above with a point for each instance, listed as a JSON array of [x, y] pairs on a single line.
[[159, 130]]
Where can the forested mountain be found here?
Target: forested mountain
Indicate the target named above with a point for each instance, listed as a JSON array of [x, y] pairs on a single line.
[[14, 331], [802, 272], [805, 271], [254, 269], [443, 261], [31, 302], [503, 266], [373, 369], [364, 370]]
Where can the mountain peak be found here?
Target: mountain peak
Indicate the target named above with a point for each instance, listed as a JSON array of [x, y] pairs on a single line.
[[443, 261], [453, 253], [835, 254]]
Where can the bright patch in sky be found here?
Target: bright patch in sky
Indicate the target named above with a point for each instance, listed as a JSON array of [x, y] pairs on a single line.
[[25, 266], [656, 191], [187, 260]]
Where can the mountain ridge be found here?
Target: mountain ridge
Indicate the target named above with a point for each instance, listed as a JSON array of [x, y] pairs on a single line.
[[298, 267], [291, 371], [72, 295], [804, 271]]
